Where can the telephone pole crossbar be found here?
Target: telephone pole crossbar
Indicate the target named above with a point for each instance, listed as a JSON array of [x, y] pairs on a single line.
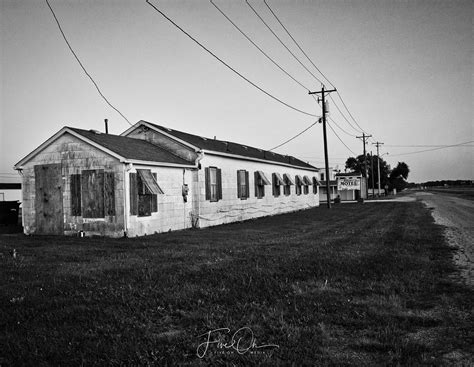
[[364, 138], [326, 159]]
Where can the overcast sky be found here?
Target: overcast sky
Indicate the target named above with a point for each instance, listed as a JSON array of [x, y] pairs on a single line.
[[403, 68]]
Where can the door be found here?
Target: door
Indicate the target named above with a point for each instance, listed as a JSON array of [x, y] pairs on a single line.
[[49, 199]]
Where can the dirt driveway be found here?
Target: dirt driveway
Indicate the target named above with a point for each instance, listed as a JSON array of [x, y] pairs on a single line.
[[457, 215]]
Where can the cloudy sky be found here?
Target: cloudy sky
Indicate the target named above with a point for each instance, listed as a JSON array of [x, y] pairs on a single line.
[[403, 68]]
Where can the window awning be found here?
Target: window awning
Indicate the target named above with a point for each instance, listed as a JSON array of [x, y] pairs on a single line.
[[299, 180], [306, 180], [278, 179], [316, 182], [149, 181], [262, 179], [288, 179]]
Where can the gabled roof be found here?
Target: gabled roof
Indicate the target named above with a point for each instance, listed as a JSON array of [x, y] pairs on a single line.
[[229, 148], [131, 148], [121, 147]]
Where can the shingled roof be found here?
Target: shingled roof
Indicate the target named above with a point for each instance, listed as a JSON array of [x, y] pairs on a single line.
[[131, 148], [232, 148]]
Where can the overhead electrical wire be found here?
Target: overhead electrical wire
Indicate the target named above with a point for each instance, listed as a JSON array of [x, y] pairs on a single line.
[[227, 65], [282, 43], [82, 66], [340, 138], [296, 43], [430, 150], [258, 47], [343, 115], [340, 128], [424, 146], [312, 63], [294, 137]]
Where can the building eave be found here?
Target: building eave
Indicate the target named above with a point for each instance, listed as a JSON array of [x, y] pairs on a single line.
[[241, 157]]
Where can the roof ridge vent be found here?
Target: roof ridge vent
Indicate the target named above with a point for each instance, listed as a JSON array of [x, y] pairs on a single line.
[[95, 131]]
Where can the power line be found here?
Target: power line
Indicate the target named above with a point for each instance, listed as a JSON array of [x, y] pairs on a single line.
[[430, 150], [297, 44], [350, 150], [82, 66], [258, 48], [283, 44], [294, 137], [343, 115], [309, 59], [349, 112], [423, 146], [225, 64], [340, 128]]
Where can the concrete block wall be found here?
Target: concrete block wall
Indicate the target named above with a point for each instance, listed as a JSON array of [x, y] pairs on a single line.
[[231, 208], [74, 155], [173, 212]]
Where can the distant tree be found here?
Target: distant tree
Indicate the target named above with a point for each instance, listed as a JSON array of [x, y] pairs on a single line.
[[356, 164], [398, 176]]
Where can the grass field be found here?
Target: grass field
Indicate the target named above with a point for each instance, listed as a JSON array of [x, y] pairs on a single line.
[[464, 192], [360, 284]]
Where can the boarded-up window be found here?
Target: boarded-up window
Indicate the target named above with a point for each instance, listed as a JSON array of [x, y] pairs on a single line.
[[76, 194], [92, 193], [213, 182], [242, 184], [144, 190]]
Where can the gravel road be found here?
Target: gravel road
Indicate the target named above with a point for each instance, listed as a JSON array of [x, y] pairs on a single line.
[[458, 216]]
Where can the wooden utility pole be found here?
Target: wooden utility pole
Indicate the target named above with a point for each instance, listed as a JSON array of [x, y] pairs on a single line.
[[326, 159], [372, 173], [364, 140], [378, 164]]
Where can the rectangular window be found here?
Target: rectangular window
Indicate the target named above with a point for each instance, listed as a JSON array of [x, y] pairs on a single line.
[[315, 185], [277, 183], [298, 184], [288, 182], [306, 183], [213, 183], [260, 181], [92, 193], [144, 190], [242, 184]]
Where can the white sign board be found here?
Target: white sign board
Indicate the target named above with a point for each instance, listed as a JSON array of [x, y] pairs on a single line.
[[348, 183]]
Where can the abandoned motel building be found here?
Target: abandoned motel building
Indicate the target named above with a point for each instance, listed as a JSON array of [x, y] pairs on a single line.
[[153, 179]]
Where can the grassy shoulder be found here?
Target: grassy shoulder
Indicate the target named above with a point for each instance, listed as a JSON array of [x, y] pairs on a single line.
[[363, 284]]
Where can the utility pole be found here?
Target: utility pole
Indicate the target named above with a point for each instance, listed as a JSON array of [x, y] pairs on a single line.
[[364, 140], [326, 159], [372, 173], [378, 164]]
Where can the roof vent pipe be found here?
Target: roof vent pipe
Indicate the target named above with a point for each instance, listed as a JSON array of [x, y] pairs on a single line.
[[106, 126]]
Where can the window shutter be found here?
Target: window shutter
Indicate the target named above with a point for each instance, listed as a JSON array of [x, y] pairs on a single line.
[[219, 183], [255, 181], [207, 183], [274, 191], [247, 187], [109, 193], [133, 194], [238, 184], [154, 197], [76, 194]]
